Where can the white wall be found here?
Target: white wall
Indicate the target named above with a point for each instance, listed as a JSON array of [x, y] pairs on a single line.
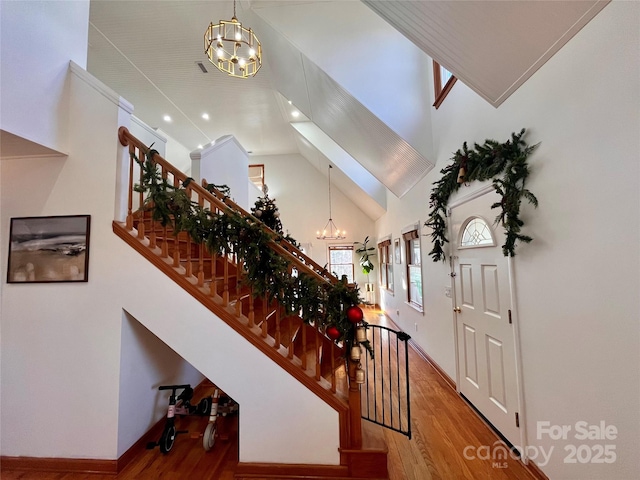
[[225, 162], [65, 342], [35, 63], [280, 419], [61, 341], [300, 192], [578, 282], [146, 362], [151, 137], [176, 153]]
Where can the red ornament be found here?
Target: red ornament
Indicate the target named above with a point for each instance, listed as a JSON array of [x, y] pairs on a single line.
[[354, 314], [332, 332]]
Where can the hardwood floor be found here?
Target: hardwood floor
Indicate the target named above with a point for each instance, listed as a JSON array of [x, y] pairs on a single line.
[[444, 427]]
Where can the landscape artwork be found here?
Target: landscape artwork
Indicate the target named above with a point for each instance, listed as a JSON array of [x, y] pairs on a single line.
[[49, 249]]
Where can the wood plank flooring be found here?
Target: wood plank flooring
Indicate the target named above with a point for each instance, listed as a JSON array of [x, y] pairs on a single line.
[[444, 427]]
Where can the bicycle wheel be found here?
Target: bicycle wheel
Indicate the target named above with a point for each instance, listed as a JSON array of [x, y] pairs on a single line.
[[204, 407], [167, 439], [209, 437]]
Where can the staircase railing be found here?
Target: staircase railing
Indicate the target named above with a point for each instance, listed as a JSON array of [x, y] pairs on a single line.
[[215, 280]]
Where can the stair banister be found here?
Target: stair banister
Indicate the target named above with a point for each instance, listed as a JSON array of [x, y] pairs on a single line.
[[351, 436], [300, 260], [282, 242]]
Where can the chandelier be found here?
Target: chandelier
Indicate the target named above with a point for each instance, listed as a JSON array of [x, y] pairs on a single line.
[[330, 231], [232, 48]]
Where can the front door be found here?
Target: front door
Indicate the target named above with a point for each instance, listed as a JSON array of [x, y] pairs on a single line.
[[487, 370]]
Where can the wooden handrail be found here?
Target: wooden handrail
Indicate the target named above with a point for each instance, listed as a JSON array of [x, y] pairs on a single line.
[[224, 286], [286, 246], [294, 255]]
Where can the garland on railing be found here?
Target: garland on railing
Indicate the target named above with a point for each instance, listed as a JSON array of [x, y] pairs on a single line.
[[265, 271], [485, 162]]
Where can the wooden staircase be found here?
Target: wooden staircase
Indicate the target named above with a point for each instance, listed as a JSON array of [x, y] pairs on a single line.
[[220, 276], [299, 347]]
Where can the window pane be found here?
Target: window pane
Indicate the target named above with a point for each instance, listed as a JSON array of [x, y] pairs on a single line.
[[341, 262], [445, 75], [415, 251], [415, 285], [340, 270], [340, 256], [477, 232]]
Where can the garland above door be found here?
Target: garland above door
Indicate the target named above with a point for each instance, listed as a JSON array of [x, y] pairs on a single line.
[[505, 164]]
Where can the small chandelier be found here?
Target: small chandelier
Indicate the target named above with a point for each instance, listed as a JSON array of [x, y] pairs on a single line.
[[330, 231], [232, 48]]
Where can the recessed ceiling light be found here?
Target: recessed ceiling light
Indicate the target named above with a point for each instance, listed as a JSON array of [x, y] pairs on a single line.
[[295, 114], [167, 118], [290, 103], [205, 116], [200, 147]]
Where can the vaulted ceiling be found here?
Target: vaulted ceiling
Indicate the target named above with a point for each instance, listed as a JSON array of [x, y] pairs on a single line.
[[359, 74]]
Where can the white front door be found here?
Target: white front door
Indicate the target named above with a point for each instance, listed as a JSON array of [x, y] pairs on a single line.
[[487, 370]]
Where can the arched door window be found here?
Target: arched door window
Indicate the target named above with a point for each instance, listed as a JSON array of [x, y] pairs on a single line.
[[476, 233]]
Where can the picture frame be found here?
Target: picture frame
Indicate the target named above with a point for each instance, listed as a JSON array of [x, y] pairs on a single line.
[[397, 255], [49, 249]]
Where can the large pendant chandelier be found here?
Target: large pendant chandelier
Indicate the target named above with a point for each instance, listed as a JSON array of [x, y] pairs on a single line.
[[232, 48], [330, 231]]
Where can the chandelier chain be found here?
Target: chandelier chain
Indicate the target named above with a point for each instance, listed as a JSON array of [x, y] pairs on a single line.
[[330, 231], [330, 216]]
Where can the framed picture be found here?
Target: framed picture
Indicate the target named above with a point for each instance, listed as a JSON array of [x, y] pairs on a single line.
[[49, 249], [396, 251]]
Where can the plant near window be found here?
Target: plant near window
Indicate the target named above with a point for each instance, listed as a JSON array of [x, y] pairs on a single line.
[[363, 249], [265, 271], [506, 164]]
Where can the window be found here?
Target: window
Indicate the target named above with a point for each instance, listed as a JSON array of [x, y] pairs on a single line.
[[476, 234], [256, 175], [341, 262], [414, 268], [386, 265], [443, 81]]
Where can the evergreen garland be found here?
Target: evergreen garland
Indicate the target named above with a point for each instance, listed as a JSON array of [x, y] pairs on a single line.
[[485, 162], [266, 272]]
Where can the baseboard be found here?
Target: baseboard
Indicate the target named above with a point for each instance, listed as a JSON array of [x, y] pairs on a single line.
[[425, 356], [77, 465], [59, 465], [134, 450], [535, 471], [418, 349], [152, 434], [276, 471], [531, 467], [84, 465]]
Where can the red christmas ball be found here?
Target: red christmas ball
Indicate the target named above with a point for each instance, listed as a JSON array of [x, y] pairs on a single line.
[[332, 332], [354, 314]]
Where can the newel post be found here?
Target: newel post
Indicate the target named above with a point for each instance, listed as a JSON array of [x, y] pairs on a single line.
[[355, 407]]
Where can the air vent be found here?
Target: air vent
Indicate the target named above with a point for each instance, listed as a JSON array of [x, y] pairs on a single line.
[[202, 67]]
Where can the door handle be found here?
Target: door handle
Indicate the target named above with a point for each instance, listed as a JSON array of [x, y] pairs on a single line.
[[457, 310]]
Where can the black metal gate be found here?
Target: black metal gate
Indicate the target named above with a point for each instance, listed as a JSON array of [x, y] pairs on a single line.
[[385, 393]]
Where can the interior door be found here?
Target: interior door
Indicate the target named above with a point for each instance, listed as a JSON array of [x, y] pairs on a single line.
[[487, 369]]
